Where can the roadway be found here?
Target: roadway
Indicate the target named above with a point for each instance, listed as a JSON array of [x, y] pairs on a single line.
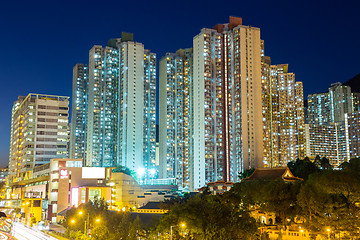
[[22, 232]]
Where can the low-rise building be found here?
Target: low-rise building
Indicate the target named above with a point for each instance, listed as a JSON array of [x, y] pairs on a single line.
[[283, 173], [64, 183]]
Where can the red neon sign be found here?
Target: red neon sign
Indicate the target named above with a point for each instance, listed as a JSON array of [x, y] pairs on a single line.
[[64, 173]]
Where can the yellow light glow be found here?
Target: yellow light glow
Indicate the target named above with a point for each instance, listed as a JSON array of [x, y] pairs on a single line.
[[80, 213], [182, 225], [98, 220], [72, 221]]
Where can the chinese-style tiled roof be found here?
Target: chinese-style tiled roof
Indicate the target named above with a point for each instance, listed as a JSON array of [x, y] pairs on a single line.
[[220, 182], [63, 212], [273, 174], [151, 205]]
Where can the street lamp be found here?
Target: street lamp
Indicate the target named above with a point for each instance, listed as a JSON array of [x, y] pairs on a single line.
[[182, 225], [328, 230], [86, 222]]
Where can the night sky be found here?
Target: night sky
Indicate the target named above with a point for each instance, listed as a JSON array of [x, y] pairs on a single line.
[[42, 41]]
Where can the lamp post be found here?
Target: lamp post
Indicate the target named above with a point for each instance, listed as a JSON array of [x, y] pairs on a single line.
[[183, 225], [87, 223], [328, 230]]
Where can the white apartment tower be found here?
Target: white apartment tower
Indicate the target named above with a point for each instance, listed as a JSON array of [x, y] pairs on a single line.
[[174, 117], [227, 103], [39, 126], [131, 97], [120, 100]]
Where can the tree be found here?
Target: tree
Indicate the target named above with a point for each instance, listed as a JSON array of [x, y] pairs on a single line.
[[325, 164], [100, 232], [135, 229], [311, 203], [246, 173], [207, 217], [125, 170], [303, 168], [329, 199], [280, 197], [78, 235], [352, 166], [94, 209]]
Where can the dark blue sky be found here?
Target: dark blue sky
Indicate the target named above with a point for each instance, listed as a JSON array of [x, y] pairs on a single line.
[[42, 41]]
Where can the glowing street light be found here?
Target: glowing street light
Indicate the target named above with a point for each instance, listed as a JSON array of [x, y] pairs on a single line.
[[328, 230], [86, 222], [182, 225], [141, 171]]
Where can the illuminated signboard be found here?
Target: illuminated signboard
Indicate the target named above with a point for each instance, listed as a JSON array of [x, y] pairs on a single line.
[[64, 173], [74, 197], [93, 172]]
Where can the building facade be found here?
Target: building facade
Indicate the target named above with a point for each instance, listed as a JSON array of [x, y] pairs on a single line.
[[330, 107], [327, 133], [318, 110], [352, 128], [79, 111], [102, 106], [340, 102], [356, 101], [230, 110], [283, 116], [327, 140], [120, 90], [39, 125], [227, 109], [149, 157], [174, 128]]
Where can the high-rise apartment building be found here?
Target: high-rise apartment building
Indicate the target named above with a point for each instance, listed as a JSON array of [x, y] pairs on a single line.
[[149, 157], [131, 97], [39, 132], [330, 107], [326, 131], [227, 107], [283, 115], [352, 128], [174, 105], [327, 140], [102, 107], [340, 102], [120, 101], [318, 110], [356, 101], [79, 111]]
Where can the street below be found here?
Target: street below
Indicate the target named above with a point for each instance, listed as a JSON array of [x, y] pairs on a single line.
[[22, 232]]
